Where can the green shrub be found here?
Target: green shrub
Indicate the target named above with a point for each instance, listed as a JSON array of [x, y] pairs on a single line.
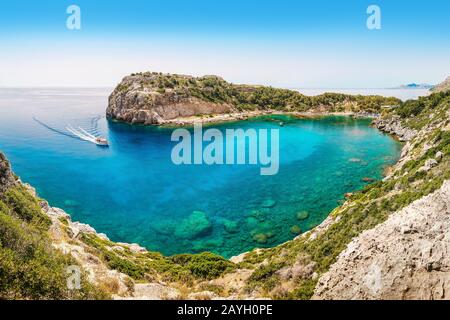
[[204, 265], [30, 268]]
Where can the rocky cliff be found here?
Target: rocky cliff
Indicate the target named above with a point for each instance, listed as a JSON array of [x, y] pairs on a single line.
[[6, 176], [151, 98], [443, 86], [406, 257]]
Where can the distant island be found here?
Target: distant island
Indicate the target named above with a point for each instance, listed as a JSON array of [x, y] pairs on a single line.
[[416, 86]]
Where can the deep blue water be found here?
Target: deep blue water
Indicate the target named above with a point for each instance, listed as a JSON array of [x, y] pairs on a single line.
[[134, 193]]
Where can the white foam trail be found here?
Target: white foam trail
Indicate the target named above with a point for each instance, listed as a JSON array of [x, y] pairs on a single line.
[[81, 135], [87, 133]]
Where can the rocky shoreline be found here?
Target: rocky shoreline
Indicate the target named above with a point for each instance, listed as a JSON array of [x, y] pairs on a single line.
[[241, 116], [393, 126]]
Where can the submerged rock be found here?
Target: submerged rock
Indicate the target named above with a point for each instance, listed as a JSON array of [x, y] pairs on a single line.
[[251, 222], [302, 215], [194, 226], [71, 203], [231, 226], [296, 230], [269, 203], [259, 215], [260, 238]]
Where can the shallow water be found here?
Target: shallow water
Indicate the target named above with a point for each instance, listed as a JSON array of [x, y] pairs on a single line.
[[134, 193]]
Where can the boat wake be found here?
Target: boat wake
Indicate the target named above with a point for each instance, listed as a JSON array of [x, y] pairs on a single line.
[[86, 136], [79, 133]]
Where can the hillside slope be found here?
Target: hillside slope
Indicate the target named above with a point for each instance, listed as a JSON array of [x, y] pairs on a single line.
[[443, 86]]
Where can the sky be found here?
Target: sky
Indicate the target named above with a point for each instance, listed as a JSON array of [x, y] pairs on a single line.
[[283, 43]]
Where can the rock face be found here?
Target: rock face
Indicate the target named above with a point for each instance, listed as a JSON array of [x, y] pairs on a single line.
[[148, 99], [406, 257], [6, 176], [392, 125], [444, 86]]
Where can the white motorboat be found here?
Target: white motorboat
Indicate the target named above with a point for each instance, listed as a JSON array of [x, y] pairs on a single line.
[[84, 135]]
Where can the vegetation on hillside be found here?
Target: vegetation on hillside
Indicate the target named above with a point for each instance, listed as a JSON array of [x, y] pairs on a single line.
[[418, 113], [30, 268], [153, 266], [365, 209], [246, 97]]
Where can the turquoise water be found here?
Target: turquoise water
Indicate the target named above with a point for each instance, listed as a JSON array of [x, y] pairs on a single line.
[[134, 193]]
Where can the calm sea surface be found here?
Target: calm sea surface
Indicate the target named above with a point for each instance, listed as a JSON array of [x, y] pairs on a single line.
[[134, 193]]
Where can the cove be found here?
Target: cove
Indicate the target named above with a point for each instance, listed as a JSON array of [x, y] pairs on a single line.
[[134, 193]]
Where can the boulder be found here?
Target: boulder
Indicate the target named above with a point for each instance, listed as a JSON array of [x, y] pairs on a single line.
[[268, 203], [296, 230], [429, 163], [302, 215], [231, 226], [260, 238], [194, 226], [71, 203]]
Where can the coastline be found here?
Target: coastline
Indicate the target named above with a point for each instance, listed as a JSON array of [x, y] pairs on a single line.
[[69, 237], [86, 228], [244, 115]]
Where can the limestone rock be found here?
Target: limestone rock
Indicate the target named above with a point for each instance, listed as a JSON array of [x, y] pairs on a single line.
[[6, 176], [154, 291], [406, 257], [139, 99], [429, 163], [394, 126]]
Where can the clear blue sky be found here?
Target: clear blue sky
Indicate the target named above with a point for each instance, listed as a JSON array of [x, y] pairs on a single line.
[[284, 43]]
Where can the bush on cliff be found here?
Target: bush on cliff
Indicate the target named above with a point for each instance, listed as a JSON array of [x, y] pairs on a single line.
[[30, 268]]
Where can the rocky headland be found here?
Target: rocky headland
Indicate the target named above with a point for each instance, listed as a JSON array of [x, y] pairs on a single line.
[[152, 98]]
